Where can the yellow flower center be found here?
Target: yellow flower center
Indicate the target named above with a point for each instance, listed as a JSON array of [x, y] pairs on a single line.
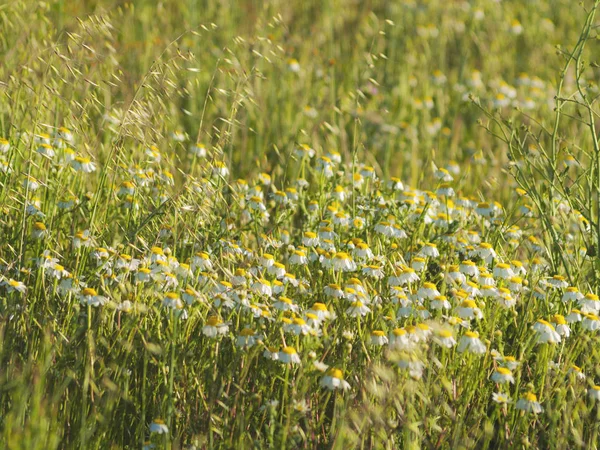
[[335, 373], [530, 397], [213, 321]]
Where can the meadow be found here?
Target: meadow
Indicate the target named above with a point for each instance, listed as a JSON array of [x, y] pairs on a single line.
[[306, 224]]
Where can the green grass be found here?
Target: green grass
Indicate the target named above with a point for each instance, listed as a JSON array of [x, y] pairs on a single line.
[[98, 349]]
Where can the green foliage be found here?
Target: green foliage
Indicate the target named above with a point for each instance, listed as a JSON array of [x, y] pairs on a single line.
[[185, 186]]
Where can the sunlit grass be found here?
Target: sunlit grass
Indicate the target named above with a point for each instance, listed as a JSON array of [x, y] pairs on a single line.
[[316, 224]]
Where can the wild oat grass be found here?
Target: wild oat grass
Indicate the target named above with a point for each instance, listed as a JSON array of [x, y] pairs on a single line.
[[308, 224]]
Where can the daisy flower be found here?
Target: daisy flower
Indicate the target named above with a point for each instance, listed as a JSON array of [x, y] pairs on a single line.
[[428, 291], [590, 322], [501, 398], [503, 375], [247, 338], [358, 309], [546, 332], [594, 392], [172, 301], [570, 294], [158, 426], [445, 338], [378, 338], [334, 380], [39, 230], [83, 164], [198, 149], [468, 310], [271, 353], [89, 296], [503, 271], [589, 303], [440, 302], [14, 286], [320, 310], [528, 403], [289, 355], [471, 343], [343, 262], [214, 327]]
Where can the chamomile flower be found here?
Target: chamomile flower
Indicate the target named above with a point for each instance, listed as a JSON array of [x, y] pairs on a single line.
[[247, 338], [39, 230], [418, 264], [405, 276], [503, 271], [546, 333], [516, 27], [445, 338], [298, 258], [400, 339], [574, 316], [577, 372], [594, 392], [528, 403], [215, 327], [469, 268], [505, 298], [89, 296], [271, 353], [293, 65], [158, 426], [440, 302], [454, 276], [320, 310], [590, 303], [14, 286], [334, 380], [83, 239], [4, 145], [46, 150], [285, 304], [428, 291], [198, 149], [571, 294], [289, 355], [557, 282], [262, 287], [83, 164], [304, 151], [310, 239], [172, 301], [486, 252], [468, 309], [590, 322], [471, 343], [220, 169], [503, 375], [343, 262], [378, 338], [363, 252], [358, 309], [325, 166], [501, 398], [410, 362], [58, 272], [561, 326]]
